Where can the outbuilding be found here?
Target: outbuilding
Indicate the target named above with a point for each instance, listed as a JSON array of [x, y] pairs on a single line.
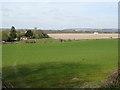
[[95, 33]]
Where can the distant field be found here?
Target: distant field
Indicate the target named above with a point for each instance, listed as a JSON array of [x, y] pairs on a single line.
[[82, 36], [71, 64]]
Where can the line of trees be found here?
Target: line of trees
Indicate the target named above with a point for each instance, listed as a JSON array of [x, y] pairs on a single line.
[[14, 35]]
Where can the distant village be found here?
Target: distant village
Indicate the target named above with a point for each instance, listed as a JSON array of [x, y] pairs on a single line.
[[12, 34]]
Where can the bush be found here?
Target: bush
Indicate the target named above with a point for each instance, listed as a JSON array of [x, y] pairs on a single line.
[[4, 36], [61, 40], [29, 41], [69, 40]]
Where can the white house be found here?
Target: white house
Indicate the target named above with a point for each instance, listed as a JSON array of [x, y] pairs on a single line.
[[23, 38], [95, 33]]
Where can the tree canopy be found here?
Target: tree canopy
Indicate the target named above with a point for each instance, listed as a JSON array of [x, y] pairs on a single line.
[[29, 34]]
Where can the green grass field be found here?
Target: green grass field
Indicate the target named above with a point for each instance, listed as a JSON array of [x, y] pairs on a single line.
[[71, 64]]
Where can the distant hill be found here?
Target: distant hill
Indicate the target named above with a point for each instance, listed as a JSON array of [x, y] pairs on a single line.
[[91, 30], [75, 30]]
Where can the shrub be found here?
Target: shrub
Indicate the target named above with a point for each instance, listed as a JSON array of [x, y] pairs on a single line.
[[69, 40], [29, 41], [4, 36], [61, 40]]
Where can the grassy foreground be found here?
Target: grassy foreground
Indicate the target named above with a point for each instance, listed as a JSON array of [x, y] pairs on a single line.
[[71, 64]]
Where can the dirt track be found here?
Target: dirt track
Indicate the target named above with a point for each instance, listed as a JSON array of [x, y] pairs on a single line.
[[82, 36]]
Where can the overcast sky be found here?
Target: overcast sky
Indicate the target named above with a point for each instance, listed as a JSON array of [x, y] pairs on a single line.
[[60, 15]]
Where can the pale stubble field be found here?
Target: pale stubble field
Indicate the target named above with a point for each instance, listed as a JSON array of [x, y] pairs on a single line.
[[83, 36]]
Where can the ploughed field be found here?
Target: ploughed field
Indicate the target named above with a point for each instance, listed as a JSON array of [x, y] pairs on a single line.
[[82, 63], [83, 36]]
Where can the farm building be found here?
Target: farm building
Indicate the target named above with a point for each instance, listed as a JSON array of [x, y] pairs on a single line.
[[95, 33]]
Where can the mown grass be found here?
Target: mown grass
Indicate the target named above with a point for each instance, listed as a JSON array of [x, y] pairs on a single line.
[[71, 64]]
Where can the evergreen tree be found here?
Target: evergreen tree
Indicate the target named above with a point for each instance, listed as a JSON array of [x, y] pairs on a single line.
[[13, 33]]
